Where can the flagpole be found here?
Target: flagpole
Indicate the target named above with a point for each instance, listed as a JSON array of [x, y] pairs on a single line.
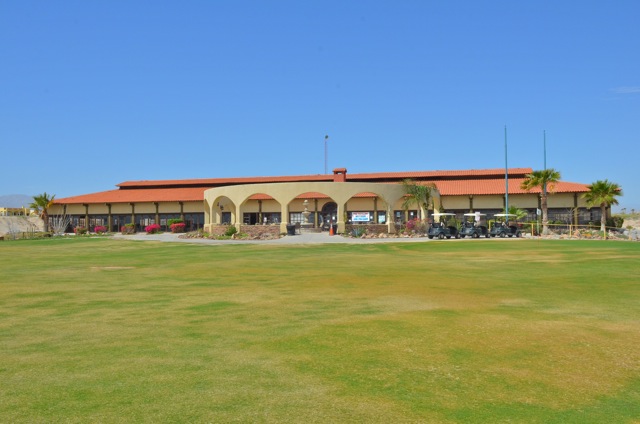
[[506, 177]]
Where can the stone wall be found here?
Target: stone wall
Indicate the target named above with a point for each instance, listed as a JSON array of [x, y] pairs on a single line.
[[260, 230], [252, 230]]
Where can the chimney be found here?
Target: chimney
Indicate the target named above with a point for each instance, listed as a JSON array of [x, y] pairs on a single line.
[[340, 175]]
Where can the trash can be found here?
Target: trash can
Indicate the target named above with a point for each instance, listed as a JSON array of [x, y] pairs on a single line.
[[291, 230], [335, 228]]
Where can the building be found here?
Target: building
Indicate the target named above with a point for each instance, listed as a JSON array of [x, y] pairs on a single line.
[[16, 211], [314, 201]]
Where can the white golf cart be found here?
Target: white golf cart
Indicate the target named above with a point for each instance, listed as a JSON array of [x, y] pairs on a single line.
[[440, 229], [474, 225], [502, 227]]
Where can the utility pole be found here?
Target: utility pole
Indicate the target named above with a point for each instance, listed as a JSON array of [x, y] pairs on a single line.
[[326, 138]]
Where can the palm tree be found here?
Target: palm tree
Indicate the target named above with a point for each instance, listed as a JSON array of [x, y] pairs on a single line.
[[603, 194], [41, 203], [546, 180], [519, 213], [419, 194]]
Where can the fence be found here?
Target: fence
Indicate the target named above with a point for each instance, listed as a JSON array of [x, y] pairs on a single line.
[[574, 230]]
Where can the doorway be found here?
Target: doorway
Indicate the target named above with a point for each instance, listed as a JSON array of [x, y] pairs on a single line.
[[328, 215]]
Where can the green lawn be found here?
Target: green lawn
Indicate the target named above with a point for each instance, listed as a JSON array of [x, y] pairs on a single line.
[[100, 330]]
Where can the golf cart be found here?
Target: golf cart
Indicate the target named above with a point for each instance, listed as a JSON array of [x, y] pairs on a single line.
[[500, 227], [441, 229], [472, 226]]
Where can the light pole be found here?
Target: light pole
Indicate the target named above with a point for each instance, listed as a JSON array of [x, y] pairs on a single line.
[[326, 137], [506, 178]]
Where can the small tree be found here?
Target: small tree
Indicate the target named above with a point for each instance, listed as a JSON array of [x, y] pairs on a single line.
[[519, 213], [545, 180], [603, 194], [60, 223], [419, 194], [41, 204]]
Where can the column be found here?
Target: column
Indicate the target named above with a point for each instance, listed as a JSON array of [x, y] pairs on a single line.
[[133, 214], [109, 218]]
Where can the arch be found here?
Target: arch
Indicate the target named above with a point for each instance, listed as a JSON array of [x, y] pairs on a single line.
[[286, 193], [217, 207], [370, 203]]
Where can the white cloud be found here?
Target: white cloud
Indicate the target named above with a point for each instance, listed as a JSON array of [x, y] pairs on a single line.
[[627, 90]]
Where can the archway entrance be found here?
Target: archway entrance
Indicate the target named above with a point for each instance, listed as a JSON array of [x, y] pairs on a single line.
[[328, 215]]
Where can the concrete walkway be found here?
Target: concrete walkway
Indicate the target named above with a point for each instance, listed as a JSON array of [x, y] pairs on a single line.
[[304, 238]]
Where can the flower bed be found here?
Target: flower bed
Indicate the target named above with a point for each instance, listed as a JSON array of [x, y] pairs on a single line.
[[152, 229], [178, 227]]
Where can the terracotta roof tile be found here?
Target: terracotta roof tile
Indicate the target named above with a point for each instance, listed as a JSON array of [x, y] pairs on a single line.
[[439, 174], [138, 195], [193, 190], [497, 186], [216, 182]]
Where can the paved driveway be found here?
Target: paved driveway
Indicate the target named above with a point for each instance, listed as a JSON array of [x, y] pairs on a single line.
[[304, 238]]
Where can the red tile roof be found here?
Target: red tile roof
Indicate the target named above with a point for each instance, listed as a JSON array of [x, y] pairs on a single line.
[[139, 195], [308, 195], [449, 183], [216, 182], [497, 172], [497, 186]]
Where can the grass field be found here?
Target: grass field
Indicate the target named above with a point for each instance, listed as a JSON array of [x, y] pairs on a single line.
[[100, 330]]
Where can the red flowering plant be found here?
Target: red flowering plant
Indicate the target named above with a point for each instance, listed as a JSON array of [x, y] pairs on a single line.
[[416, 226], [411, 225], [152, 229], [100, 229], [177, 227]]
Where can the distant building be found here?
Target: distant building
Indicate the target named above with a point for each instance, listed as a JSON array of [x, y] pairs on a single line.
[[314, 200], [16, 211]]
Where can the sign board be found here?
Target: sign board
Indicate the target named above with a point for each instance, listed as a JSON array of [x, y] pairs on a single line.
[[538, 212], [360, 216]]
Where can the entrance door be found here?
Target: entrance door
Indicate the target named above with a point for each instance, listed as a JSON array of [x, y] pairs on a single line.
[[329, 215]]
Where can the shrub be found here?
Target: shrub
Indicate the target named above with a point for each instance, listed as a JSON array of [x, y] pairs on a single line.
[[80, 230], [152, 229], [416, 226], [128, 229], [172, 221], [177, 227], [230, 231], [100, 229], [615, 221], [358, 231]]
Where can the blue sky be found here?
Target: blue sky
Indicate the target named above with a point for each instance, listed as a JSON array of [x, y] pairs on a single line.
[[96, 93]]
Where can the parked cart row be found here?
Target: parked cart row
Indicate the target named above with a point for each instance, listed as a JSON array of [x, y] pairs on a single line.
[[474, 225]]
